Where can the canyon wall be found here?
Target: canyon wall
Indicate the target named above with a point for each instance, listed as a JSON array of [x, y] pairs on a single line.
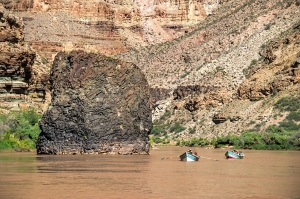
[[105, 26], [228, 72], [213, 75]]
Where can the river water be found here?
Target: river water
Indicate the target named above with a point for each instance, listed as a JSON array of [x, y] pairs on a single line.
[[260, 175]]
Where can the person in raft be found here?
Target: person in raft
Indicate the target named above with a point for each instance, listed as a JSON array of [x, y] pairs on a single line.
[[191, 152]]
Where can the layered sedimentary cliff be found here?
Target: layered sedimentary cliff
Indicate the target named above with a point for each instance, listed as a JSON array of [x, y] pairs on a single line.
[[106, 26], [99, 105], [217, 73], [23, 76]]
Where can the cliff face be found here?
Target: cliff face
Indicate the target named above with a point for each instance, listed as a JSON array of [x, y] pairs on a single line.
[[275, 75], [279, 70], [22, 81], [219, 48], [228, 71], [106, 26], [99, 105]]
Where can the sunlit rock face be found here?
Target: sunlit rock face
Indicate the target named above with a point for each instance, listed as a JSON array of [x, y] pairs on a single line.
[[99, 105], [23, 78], [106, 26]]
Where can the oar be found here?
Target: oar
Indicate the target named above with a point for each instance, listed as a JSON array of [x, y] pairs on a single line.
[[169, 157], [208, 158]]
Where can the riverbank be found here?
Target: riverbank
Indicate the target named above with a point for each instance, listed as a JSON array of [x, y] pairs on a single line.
[[275, 140]]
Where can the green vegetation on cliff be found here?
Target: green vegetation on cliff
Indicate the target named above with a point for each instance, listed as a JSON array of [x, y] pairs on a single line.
[[19, 129], [284, 135], [251, 140]]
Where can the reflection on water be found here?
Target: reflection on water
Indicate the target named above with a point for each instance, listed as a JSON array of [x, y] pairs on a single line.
[[262, 174], [16, 162], [17, 159]]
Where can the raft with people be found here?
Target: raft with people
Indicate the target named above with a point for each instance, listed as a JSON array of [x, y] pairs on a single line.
[[189, 156], [234, 154]]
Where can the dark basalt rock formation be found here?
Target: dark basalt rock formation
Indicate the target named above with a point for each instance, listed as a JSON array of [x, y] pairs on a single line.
[[157, 94], [99, 105], [183, 91]]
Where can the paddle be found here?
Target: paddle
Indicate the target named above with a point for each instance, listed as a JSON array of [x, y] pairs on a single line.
[[199, 156], [169, 157], [208, 158]]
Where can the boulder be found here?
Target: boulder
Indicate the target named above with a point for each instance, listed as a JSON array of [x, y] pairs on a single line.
[[99, 105]]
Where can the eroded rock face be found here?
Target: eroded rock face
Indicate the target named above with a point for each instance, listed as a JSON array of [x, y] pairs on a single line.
[[99, 105], [158, 94], [278, 72], [106, 26], [193, 97], [23, 79]]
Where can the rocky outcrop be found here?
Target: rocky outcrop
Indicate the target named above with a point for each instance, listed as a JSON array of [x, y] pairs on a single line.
[[11, 27], [99, 105], [278, 70], [23, 78], [194, 97], [191, 90], [158, 94]]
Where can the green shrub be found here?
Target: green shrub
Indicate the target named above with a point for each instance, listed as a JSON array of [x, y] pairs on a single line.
[[5, 144], [166, 141], [157, 139], [177, 128], [274, 129], [192, 130], [289, 126], [166, 115], [268, 26], [247, 140], [23, 129], [221, 141], [151, 140], [44, 60], [253, 62], [294, 140], [10, 143], [184, 75], [257, 126], [233, 140], [250, 123], [158, 129], [31, 116], [289, 103], [194, 142], [261, 141], [294, 115]]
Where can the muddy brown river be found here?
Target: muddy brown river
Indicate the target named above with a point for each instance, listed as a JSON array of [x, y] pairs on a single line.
[[261, 175]]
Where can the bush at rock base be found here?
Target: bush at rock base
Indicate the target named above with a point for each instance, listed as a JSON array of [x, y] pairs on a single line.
[[19, 129]]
